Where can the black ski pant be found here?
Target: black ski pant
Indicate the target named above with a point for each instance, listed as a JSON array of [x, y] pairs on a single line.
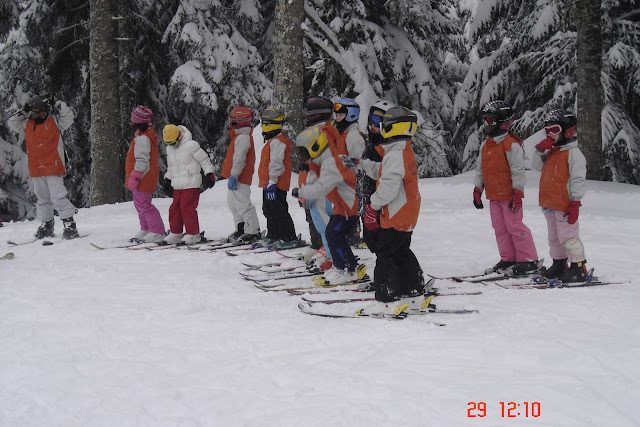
[[336, 234], [398, 273], [279, 223]]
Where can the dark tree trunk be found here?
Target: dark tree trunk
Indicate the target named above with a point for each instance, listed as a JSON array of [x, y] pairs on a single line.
[[288, 92], [107, 169], [588, 70]]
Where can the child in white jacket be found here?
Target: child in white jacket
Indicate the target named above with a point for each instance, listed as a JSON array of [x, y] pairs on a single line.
[[185, 159]]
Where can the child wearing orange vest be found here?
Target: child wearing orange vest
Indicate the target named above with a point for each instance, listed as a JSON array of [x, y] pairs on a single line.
[[42, 122], [274, 173], [141, 175], [392, 212], [501, 172], [238, 166], [564, 172]]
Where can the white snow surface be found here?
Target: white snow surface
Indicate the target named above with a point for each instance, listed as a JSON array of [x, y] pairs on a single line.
[[177, 338]]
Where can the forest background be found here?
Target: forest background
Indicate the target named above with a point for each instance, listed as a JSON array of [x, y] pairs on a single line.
[[190, 61]]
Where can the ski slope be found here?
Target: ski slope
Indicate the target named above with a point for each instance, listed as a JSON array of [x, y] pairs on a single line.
[[176, 338]]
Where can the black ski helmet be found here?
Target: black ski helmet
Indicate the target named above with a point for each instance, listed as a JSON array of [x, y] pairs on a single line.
[[318, 109], [566, 121], [497, 117]]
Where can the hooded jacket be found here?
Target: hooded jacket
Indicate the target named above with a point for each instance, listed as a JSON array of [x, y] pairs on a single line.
[[184, 162]]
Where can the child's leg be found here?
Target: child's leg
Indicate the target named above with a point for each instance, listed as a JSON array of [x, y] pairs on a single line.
[[59, 198], [398, 273], [568, 236], [556, 249], [44, 206], [503, 238], [283, 223], [150, 219], [336, 234], [520, 235], [189, 208], [175, 215], [244, 209], [320, 221]]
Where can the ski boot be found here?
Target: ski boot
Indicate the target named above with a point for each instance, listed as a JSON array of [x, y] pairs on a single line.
[[558, 267], [577, 272], [247, 239], [70, 231], [501, 267], [45, 230], [233, 237], [524, 268]]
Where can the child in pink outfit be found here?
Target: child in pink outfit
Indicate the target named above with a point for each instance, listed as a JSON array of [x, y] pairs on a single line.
[[564, 171], [501, 172], [142, 170]]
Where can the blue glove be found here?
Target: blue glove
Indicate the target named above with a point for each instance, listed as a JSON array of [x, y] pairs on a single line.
[[310, 204], [270, 192], [232, 183]]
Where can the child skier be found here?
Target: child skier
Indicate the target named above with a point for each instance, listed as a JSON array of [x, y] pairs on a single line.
[[185, 159], [501, 172], [238, 166], [274, 173], [564, 171], [336, 183], [393, 213], [42, 122], [142, 170]]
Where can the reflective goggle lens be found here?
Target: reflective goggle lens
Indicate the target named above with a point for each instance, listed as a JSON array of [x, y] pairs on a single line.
[[553, 130], [488, 121], [337, 107], [39, 113], [171, 143], [375, 120]]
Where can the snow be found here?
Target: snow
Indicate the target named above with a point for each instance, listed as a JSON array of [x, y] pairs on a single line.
[[166, 338]]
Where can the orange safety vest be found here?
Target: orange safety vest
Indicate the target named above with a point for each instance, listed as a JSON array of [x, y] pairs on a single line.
[[149, 181], [554, 193], [42, 148], [496, 172], [284, 181], [246, 176], [406, 218]]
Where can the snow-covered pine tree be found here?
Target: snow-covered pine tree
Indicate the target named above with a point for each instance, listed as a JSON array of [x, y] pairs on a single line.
[[369, 50], [218, 66]]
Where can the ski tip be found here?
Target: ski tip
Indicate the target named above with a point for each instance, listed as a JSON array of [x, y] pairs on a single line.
[[96, 246], [46, 243]]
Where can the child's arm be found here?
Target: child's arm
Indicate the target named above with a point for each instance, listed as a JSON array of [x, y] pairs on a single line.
[[65, 116], [390, 180], [142, 153], [577, 174], [201, 157], [515, 157], [478, 179], [329, 178], [276, 160], [242, 145]]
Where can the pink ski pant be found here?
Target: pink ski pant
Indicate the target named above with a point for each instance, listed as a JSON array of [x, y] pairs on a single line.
[[150, 219], [564, 241], [514, 239]]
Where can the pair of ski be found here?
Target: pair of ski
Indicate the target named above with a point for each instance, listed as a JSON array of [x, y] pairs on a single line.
[[44, 242], [316, 282], [342, 309], [540, 282]]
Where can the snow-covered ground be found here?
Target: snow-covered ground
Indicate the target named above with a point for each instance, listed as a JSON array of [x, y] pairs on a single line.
[[176, 338]]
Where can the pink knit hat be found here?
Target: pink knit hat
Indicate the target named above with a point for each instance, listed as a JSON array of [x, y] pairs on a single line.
[[142, 114]]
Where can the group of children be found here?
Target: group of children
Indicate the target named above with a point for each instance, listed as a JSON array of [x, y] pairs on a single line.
[[500, 172], [345, 177]]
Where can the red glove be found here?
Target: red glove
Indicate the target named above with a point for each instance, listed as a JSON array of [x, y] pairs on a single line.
[[516, 200], [477, 198], [134, 180], [573, 211], [370, 218], [544, 145]]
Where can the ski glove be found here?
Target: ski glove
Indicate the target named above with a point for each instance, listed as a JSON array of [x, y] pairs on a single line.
[[573, 211], [370, 218], [477, 198], [26, 107], [209, 181], [134, 180], [232, 183], [544, 145], [349, 162], [516, 200], [167, 187], [270, 192], [303, 167], [294, 192]]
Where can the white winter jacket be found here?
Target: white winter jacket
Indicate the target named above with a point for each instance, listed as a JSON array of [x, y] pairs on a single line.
[[184, 162]]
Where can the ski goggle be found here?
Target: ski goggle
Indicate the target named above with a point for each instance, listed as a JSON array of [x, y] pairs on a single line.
[[375, 120], [553, 130], [38, 113], [337, 107], [171, 143], [488, 121]]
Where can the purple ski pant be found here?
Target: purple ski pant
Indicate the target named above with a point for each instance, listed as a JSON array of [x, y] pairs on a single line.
[[514, 239], [150, 219]]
